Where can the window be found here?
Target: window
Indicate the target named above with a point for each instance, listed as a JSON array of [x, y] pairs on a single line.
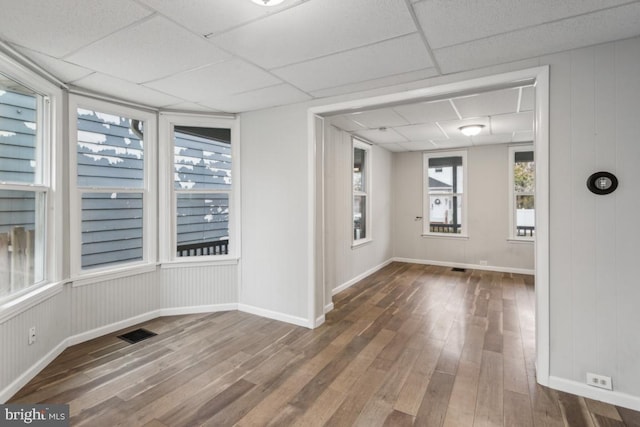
[[113, 158], [522, 193], [24, 189], [445, 203], [202, 179], [361, 190]]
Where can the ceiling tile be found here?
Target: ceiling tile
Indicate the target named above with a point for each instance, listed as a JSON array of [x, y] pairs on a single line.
[[452, 127], [491, 139], [392, 147], [427, 111], [418, 145], [379, 60], [488, 103], [191, 106], [345, 123], [382, 117], [60, 27], [127, 91], [396, 79], [509, 123], [260, 98], [585, 30], [212, 16], [143, 61], [526, 102], [452, 143], [380, 136], [216, 81], [451, 22], [317, 28], [63, 70], [420, 132]]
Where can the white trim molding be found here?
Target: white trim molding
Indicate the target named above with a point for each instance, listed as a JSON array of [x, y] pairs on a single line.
[[275, 315], [359, 277], [608, 396], [496, 268]]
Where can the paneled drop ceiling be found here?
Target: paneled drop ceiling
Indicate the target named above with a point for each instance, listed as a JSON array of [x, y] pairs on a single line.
[[505, 114], [234, 55]]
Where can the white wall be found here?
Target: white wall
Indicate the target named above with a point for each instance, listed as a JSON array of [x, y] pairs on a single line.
[[595, 292], [345, 264], [275, 263], [488, 214]]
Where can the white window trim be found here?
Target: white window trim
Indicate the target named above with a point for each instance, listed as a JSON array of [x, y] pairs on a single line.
[[167, 196], [49, 154], [358, 143], [148, 190], [513, 236], [426, 213]]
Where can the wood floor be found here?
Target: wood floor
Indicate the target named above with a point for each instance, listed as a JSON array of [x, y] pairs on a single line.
[[410, 345]]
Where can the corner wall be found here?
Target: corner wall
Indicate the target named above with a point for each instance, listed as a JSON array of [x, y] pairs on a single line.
[[345, 264]]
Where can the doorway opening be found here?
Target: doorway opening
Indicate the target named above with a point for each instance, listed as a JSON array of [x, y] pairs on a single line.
[[533, 83]]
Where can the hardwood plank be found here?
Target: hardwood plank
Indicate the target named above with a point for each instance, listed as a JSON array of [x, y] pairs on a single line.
[[489, 405], [517, 409], [436, 400], [409, 345], [462, 403], [630, 418], [398, 419]]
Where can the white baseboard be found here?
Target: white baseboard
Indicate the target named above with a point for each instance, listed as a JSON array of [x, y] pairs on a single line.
[[464, 265], [319, 321], [196, 309], [328, 308], [595, 393], [112, 327], [359, 277], [300, 321], [30, 373]]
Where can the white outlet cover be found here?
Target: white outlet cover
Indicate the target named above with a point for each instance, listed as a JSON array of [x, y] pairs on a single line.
[[600, 381]]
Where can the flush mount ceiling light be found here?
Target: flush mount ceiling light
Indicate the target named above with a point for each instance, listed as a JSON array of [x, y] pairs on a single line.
[[267, 2], [471, 130]]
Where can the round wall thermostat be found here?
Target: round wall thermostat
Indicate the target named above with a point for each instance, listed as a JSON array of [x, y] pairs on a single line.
[[602, 183]]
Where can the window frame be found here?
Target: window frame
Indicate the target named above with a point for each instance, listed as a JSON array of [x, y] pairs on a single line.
[[368, 161], [512, 233], [167, 217], [426, 208], [49, 99], [148, 191]]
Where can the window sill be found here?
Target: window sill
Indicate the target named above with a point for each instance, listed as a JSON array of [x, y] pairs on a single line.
[[446, 236], [15, 306], [98, 276], [200, 262], [360, 242], [518, 241]]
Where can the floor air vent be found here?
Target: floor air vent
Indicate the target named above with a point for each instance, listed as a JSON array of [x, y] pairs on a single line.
[[460, 270], [137, 336]]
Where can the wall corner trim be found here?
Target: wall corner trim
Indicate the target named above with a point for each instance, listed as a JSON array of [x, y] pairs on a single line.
[[275, 315], [359, 277], [466, 265]]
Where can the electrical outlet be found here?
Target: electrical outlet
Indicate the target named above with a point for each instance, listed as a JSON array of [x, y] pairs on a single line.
[[599, 381], [32, 335]]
